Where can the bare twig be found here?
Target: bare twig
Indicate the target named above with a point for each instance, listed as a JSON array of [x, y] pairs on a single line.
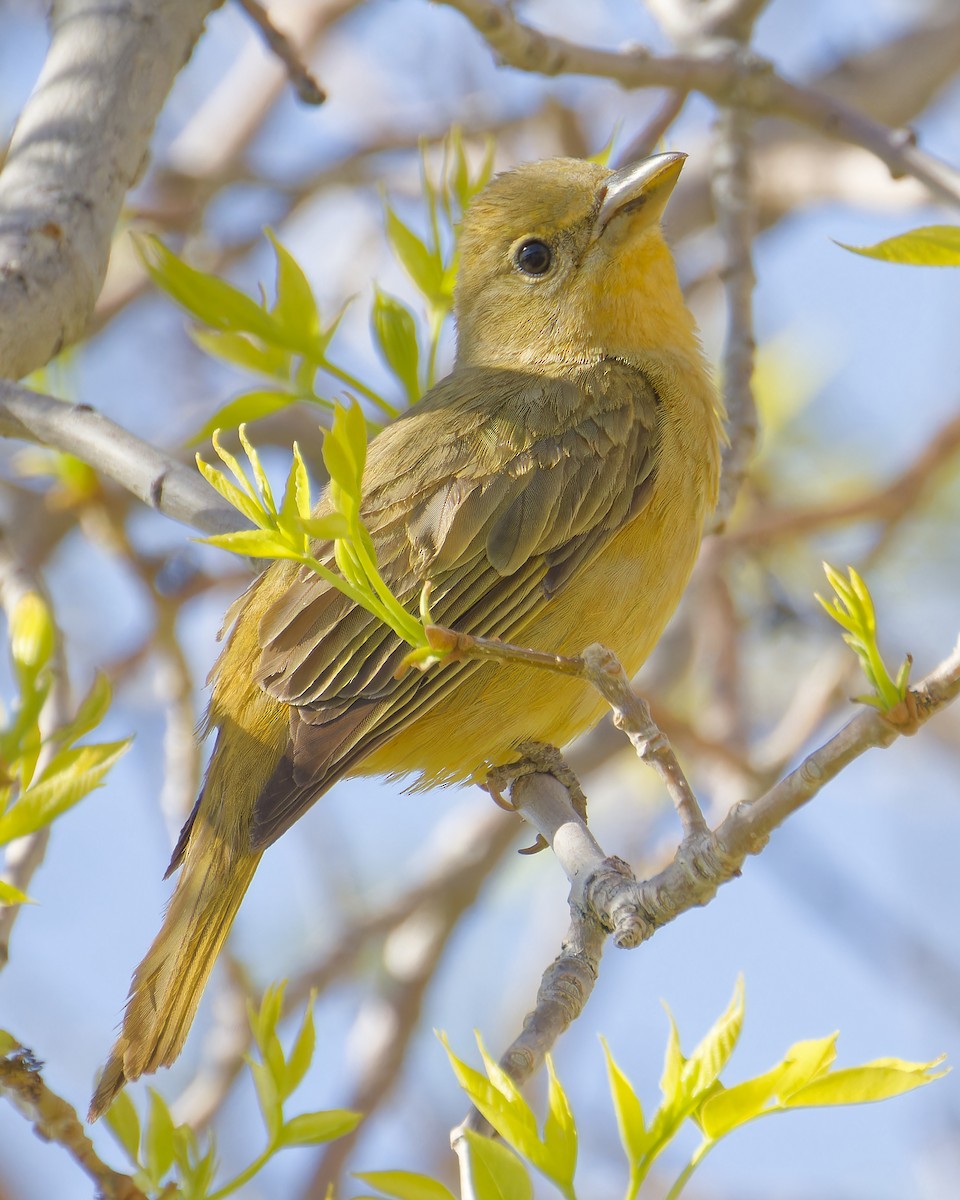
[[733, 204], [750, 84], [54, 1120], [306, 87]]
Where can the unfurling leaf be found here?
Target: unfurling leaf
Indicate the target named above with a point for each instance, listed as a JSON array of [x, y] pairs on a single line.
[[929, 246]]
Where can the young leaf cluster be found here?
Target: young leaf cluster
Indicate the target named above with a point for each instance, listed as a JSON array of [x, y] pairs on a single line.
[[852, 608], [286, 344], [40, 778], [690, 1091], [160, 1149], [291, 530], [430, 262]]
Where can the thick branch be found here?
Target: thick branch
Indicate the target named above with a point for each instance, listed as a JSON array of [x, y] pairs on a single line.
[[79, 145]]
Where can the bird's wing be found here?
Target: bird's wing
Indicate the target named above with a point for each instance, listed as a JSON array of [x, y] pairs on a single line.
[[495, 488]]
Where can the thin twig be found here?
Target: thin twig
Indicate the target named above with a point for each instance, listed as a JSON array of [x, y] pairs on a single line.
[[54, 1120], [751, 84], [306, 87]]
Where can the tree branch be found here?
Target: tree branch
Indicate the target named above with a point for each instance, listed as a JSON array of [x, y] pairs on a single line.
[[155, 478], [54, 1120], [751, 84], [79, 145]]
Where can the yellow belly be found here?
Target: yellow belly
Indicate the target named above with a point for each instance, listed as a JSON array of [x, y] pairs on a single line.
[[623, 599]]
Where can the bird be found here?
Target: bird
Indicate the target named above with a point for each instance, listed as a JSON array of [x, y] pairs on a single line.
[[552, 490]]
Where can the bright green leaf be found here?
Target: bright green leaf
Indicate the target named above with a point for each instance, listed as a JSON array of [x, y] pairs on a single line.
[[12, 895], [422, 264], [673, 1063], [326, 528], [804, 1062], [729, 1107], [158, 1140], [629, 1112], [243, 410], [260, 358], [559, 1132], [124, 1123], [295, 309], [929, 246], [496, 1172], [309, 1129], [68, 778], [395, 333], [254, 543], [865, 1084], [93, 708], [301, 1054], [405, 1185], [208, 298], [709, 1058], [271, 1105], [32, 634]]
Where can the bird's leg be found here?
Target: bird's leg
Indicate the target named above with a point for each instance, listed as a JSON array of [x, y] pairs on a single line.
[[539, 758]]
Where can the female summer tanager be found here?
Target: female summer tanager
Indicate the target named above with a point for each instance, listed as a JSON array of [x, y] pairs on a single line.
[[552, 489]]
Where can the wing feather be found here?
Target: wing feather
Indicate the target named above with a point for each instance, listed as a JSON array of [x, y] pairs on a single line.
[[495, 488]]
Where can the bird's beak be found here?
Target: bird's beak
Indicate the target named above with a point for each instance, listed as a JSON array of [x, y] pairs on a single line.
[[634, 198]]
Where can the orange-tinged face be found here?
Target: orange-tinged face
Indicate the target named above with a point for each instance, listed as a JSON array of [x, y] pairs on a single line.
[[563, 262]]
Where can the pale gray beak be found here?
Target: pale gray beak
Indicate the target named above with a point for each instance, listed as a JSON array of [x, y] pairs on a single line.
[[639, 192]]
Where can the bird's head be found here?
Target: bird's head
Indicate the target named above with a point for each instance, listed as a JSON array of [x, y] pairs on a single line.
[[562, 262]]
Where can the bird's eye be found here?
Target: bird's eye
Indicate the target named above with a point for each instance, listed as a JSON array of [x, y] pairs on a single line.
[[533, 257]]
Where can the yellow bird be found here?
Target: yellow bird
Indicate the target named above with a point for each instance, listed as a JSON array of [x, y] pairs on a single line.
[[552, 489]]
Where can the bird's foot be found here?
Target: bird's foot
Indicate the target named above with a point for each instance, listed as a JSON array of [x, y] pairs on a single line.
[[539, 758]]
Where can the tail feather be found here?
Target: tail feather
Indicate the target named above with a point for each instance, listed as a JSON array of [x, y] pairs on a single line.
[[168, 984]]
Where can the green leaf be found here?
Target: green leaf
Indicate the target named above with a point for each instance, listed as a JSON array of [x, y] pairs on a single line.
[[158, 1142], [405, 1185], [254, 543], [264, 491], [395, 333], [498, 1099], [865, 1084], [328, 528], [68, 778], [123, 1122], [309, 1129], [260, 358], [339, 460], [93, 708], [422, 264], [301, 1054], [271, 1106], [211, 300], [559, 1133], [32, 635], [295, 308], [673, 1063], [496, 1172], [628, 1110], [12, 895], [729, 1107], [929, 246], [710, 1057], [804, 1062], [243, 410], [296, 495], [241, 500]]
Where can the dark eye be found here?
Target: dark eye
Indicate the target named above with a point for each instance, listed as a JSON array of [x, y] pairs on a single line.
[[533, 257]]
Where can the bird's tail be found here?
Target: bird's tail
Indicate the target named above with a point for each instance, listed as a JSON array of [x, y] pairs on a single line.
[[168, 984]]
